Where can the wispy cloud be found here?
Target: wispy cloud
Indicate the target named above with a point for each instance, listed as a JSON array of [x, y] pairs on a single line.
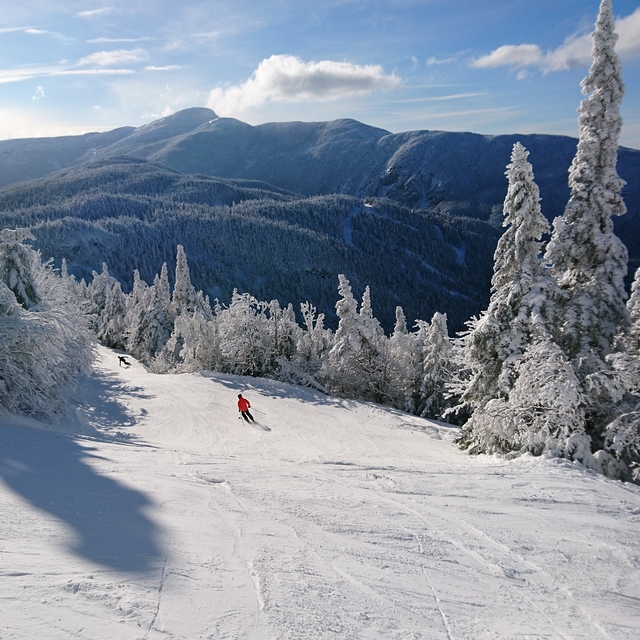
[[575, 51], [443, 98], [114, 58], [119, 40], [284, 78], [92, 13], [35, 32], [33, 72], [93, 72], [115, 62], [168, 67], [434, 61]]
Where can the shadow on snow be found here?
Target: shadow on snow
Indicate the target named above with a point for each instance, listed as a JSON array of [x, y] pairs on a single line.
[[52, 471]]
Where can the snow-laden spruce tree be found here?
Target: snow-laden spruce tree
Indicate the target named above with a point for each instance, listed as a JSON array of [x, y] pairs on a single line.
[[45, 342], [246, 340], [357, 363], [285, 330], [543, 412], [339, 362], [497, 339], [18, 263], [194, 344], [405, 365], [313, 342], [633, 305], [96, 296], [503, 347], [588, 260], [134, 307], [590, 319], [437, 369], [373, 354], [406, 349], [111, 324], [151, 321], [184, 293]]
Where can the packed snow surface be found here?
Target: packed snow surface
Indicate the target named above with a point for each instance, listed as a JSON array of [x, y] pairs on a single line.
[[169, 518]]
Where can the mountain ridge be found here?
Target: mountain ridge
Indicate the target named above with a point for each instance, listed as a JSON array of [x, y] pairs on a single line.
[[288, 184], [459, 173]]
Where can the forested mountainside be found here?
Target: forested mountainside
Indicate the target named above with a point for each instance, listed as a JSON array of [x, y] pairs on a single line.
[[452, 173], [246, 235]]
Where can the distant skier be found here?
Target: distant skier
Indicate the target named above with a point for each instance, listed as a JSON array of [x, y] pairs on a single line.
[[243, 408], [123, 361]]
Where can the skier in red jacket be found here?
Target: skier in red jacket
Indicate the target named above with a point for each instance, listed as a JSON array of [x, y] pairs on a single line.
[[243, 408]]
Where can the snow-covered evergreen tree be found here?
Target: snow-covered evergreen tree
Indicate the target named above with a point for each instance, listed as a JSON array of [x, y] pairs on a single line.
[[111, 326], [314, 340], [96, 297], [405, 362], [184, 293], [373, 355], [17, 266], [313, 343], [286, 331], [588, 259], [196, 339], [339, 361], [45, 342], [495, 341], [358, 363], [633, 305], [522, 387], [151, 321], [246, 340], [591, 321], [544, 410], [134, 307], [437, 369]]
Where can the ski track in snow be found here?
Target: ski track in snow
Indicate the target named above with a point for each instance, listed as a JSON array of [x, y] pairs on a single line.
[[346, 520]]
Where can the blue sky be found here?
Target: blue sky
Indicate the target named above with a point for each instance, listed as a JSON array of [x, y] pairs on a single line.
[[487, 66]]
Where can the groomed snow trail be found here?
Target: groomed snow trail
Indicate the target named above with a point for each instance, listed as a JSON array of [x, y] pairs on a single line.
[[169, 518]]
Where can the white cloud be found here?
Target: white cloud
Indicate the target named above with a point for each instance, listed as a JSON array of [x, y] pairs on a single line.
[[575, 51], [511, 55], [35, 32], [284, 78], [26, 72], [39, 93], [33, 72], [92, 13], [433, 61], [118, 40], [115, 57], [93, 72], [168, 67], [629, 31]]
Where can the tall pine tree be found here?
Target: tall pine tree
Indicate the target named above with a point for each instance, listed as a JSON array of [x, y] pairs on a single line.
[[588, 260], [499, 337], [502, 345]]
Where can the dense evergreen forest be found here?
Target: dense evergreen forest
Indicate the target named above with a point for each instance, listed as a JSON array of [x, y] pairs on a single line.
[[131, 214]]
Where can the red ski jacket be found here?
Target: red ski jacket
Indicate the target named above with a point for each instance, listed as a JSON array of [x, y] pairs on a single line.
[[243, 404]]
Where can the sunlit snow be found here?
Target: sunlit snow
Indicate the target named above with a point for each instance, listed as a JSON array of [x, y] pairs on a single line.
[[170, 518]]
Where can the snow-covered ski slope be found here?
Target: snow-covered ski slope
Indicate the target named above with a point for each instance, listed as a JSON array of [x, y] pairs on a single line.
[[169, 518]]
